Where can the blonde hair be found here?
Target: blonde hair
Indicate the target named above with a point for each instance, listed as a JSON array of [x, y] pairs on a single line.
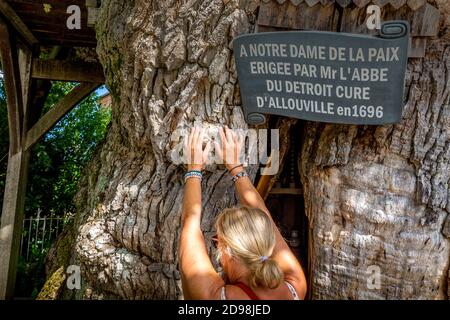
[[249, 235]]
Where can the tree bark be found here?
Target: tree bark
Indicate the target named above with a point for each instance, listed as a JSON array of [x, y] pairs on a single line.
[[168, 64], [378, 198], [375, 196]]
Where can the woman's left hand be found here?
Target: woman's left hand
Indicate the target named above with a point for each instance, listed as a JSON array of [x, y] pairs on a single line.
[[193, 146]]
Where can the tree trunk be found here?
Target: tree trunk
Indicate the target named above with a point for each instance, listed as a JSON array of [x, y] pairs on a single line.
[[168, 64], [378, 198]]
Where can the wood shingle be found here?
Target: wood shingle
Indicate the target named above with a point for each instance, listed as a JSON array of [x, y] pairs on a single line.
[[412, 4], [350, 16]]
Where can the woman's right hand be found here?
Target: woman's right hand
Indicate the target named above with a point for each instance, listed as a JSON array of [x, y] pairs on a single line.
[[196, 155], [230, 148]]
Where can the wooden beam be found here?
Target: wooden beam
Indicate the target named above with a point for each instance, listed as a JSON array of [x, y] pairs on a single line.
[[57, 112], [16, 63], [286, 191], [25, 57], [11, 221], [67, 71], [17, 23], [53, 3], [40, 89], [265, 184], [93, 10], [11, 74], [66, 42]]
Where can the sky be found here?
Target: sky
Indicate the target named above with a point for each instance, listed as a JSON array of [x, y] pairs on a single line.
[[101, 91]]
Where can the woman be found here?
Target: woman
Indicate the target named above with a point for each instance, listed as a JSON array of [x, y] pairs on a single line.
[[256, 260]]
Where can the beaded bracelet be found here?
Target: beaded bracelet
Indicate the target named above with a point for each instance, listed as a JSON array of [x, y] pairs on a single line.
[[239, 175], [239, 165], [197, 171], [193, 174]]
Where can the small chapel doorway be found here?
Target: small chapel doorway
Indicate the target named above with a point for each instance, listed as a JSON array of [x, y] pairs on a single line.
[[283, 192]]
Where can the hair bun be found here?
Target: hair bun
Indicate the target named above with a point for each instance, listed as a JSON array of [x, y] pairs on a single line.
[[267, 274], [250, 234]]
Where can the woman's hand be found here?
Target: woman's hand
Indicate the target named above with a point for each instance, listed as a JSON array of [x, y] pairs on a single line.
[[198, 277], [193, 146], [230, 149]]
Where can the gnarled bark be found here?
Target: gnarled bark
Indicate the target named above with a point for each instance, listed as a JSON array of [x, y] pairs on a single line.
[[375, 196], [379, 196], [167, 64]]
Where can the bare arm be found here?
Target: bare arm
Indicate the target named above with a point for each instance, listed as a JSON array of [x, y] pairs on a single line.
[[198, 277], [288, 263], [249, 196]]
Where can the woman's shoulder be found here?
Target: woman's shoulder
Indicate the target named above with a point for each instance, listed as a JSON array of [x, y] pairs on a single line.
[[233, 292], [285, 291], [298, 284]]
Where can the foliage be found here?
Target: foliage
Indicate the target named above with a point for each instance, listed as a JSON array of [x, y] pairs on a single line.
[[55, 167], [57, 161], [4, 139], [36, 244], [31, 273]]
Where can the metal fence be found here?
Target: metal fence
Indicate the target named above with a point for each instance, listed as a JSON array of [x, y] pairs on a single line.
[[40, 231]]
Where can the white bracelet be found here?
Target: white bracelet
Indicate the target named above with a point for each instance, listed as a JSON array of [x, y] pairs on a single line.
[[193, 174], [239, 175]]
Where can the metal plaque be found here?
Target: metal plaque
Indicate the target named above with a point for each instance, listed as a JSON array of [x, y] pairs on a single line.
[[324, 76]]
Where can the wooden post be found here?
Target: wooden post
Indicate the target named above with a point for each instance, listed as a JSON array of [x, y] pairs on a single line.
[[10, 64], [11, 223], [18, 24], [19, 73], [48, 120], [16, 85]]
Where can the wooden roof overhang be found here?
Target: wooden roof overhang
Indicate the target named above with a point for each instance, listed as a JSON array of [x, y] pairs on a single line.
[[350, 16], [30, 26], [27, 28], [44, 22]]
